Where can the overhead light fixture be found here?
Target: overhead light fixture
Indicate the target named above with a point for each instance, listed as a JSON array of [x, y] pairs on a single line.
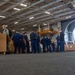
[[68, 17], [44, 24], [22, 28], [34, 25], [2, 16], [16, 9], [73, 3], [13, 30], [23, 5], [16, 23], [47, 12], [31, 18]]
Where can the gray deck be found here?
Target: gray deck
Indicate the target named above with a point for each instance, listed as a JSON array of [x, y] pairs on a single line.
[[38, 64]]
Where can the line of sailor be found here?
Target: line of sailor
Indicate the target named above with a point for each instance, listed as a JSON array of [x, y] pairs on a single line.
[[22, 43]]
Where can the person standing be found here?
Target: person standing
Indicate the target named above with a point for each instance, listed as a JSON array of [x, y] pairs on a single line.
[[6, 31], [17, 40], [38, 42], [27, 42], [58, 42], [61, 41], [33, 38], [53, 46], [22, 43], [48, 41], [44, 43]]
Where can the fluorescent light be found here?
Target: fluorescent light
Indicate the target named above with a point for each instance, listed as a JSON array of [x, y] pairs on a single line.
[[13, 30], [68, 17], [22, 28], [2, 16], [73, 3], [16, 23], [47, 12], [23, 5], [16, 9], [44, 24], [31, 18], [34, 25]]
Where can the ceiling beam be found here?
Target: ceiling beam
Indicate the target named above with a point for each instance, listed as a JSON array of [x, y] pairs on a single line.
[[41, 13], [3, 2], [48, 21], [47, 15], [58, 16], [71, 12], [12, 6], [22, 10], [34, 10]]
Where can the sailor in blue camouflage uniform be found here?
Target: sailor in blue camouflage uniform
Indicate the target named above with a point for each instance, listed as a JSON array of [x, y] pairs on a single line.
[[58, 43], [22, 43], [61, 41], [38, 42], [27, 42], [48, 41], [16, 39], [33, 38], [53, 46], [44, 43]]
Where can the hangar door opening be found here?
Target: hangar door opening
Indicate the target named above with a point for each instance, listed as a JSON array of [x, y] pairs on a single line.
[[70, 32]]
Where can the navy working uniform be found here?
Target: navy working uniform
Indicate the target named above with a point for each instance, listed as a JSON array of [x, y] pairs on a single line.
[[43, 42], [53, 46], [61, 41], [33, 38], [48, 41], [22, 43], [27, 43], [38, 43], [58, 43], [16, 39]]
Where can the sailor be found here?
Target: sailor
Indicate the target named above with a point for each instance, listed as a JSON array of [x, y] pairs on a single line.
[[58, 42], [17, 39], [27, 42], [22, 43], [44, 44], [61, 41], [38, 42], [33, 38]]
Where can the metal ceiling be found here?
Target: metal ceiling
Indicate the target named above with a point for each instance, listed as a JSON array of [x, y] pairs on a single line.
[[59, 10]]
